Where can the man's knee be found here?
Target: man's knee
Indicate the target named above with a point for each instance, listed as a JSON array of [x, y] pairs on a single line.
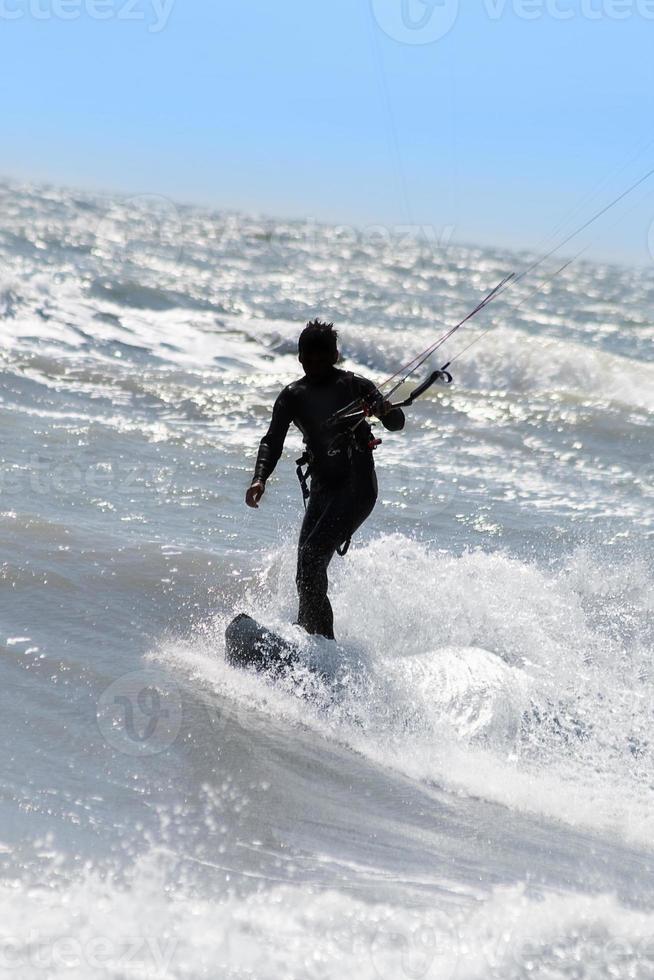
[[308, 559]]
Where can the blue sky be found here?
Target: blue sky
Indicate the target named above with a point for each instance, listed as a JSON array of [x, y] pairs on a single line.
[[341, 110]]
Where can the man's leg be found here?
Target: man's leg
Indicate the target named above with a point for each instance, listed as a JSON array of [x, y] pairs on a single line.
[[331, 517], [315, 551]]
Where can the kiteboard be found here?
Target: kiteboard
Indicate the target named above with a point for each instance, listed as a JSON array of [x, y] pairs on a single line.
[[250, 645]]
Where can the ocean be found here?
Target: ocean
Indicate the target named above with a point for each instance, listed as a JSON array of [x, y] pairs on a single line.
[[466, 790]]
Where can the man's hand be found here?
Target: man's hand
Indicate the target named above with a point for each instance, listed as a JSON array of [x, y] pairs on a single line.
[[381, 407], [254, 493]]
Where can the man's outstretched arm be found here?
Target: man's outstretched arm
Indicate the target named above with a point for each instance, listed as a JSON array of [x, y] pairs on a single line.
[[270, 449]]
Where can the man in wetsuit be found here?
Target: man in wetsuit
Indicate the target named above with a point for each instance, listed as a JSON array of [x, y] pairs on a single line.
[[343, 481]]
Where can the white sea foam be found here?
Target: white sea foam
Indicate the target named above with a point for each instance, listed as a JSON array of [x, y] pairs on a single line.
[[95, 925], [480, 673]]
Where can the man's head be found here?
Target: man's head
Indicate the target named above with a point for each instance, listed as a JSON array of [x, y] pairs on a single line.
[[318, 349]]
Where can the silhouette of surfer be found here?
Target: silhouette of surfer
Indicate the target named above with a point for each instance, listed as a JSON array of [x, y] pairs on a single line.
[[342, 471]]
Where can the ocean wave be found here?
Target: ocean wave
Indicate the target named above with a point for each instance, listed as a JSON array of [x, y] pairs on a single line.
[[481, 673], [86, 924], [483, 720]]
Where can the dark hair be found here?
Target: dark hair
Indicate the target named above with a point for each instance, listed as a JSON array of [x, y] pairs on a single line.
[[318, 337]]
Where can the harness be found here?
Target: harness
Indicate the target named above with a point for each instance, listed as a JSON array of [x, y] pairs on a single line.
[[344, 441]]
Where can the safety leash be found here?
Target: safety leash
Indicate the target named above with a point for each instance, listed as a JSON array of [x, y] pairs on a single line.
[[304, 474]]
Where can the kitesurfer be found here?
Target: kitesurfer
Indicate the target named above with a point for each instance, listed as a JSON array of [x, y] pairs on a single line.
[[340, 460]]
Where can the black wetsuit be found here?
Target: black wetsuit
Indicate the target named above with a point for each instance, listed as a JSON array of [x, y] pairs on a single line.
[[343, 480]]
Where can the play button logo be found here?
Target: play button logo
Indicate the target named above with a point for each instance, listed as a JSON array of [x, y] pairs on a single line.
[[416, 21]]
